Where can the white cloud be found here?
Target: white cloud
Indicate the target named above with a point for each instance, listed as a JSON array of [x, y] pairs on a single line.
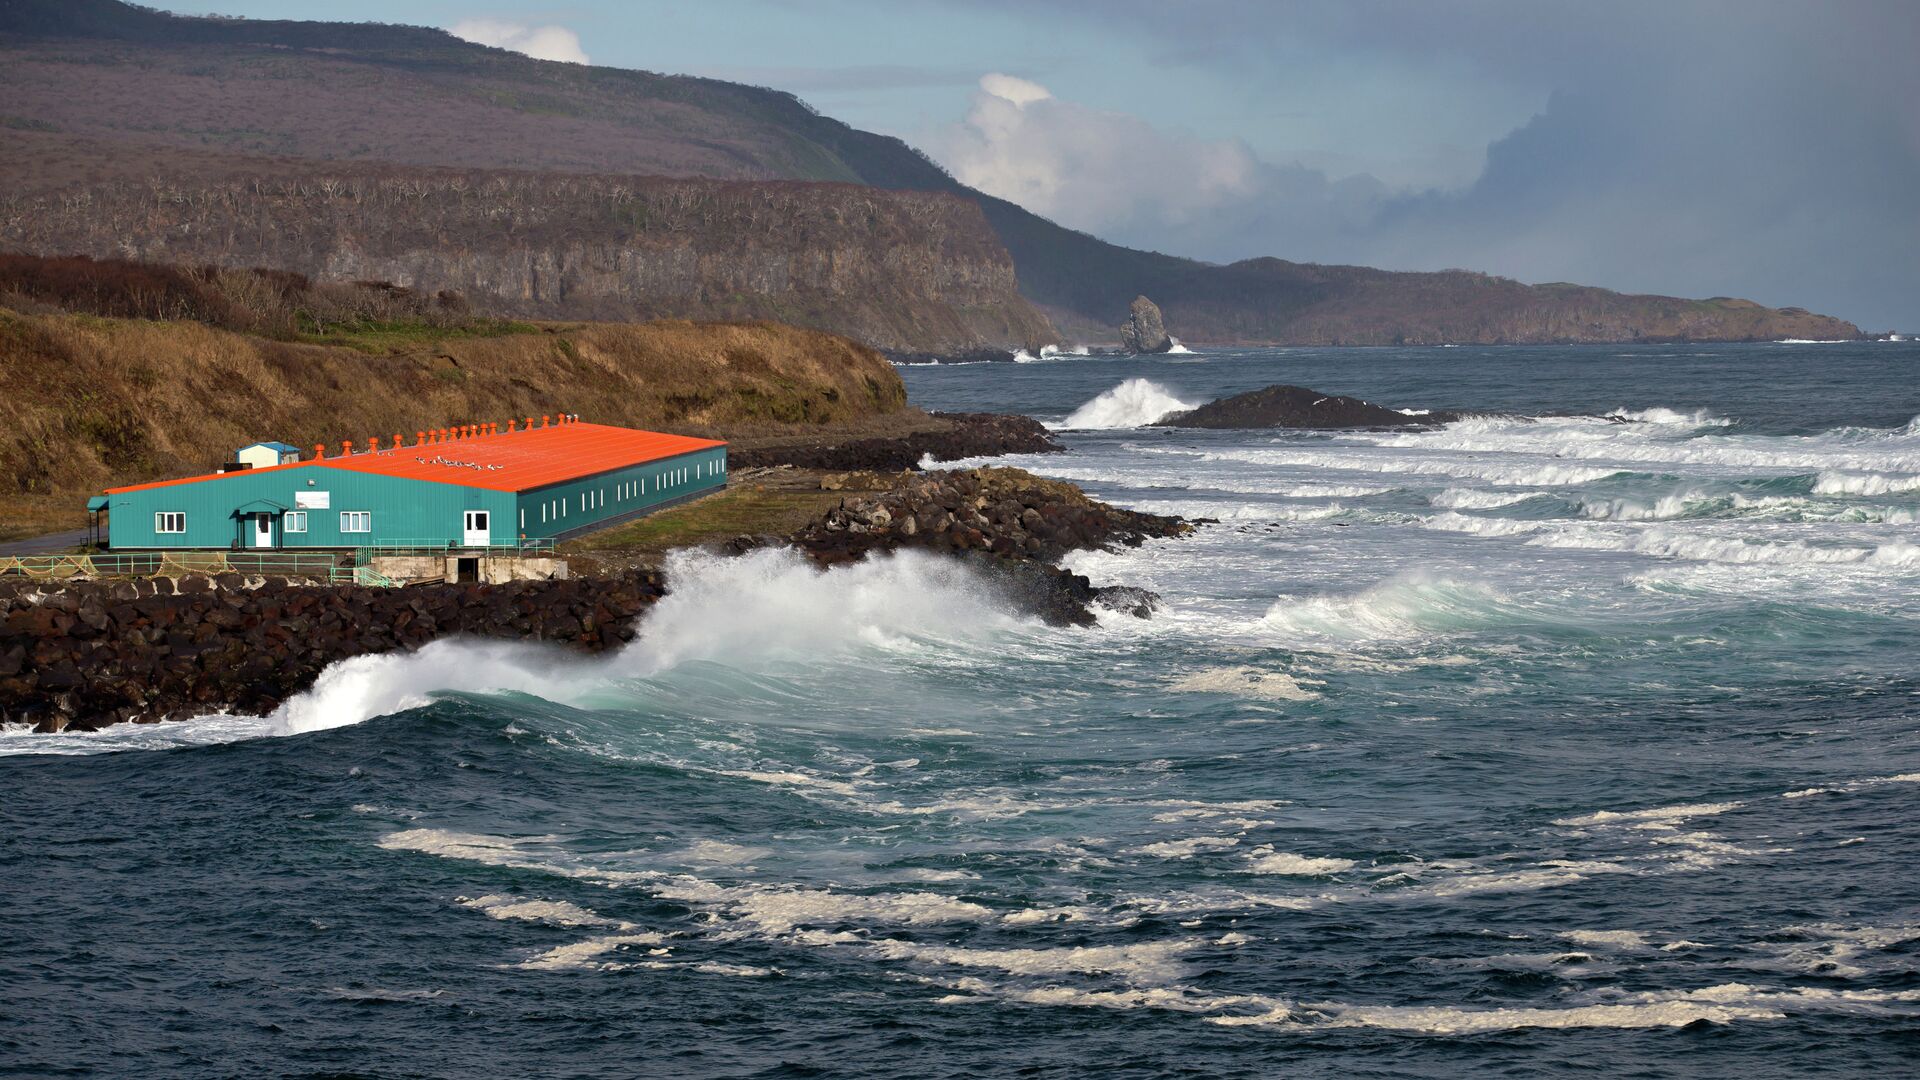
[[1115, 174], [539, 42], [1013, 88]]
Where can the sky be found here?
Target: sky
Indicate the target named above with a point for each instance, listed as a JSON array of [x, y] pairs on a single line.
[[1757, 148]]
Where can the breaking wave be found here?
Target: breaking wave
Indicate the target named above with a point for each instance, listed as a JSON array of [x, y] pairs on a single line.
[[750, 612], [1134, 403], [1699, 418], [1840, 483], [1403, 610], [1662, 542]]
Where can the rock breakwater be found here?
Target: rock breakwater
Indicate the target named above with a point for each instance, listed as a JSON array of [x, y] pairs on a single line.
[[84, 655]]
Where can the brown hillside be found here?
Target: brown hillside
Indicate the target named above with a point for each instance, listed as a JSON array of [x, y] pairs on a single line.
[[86, 402]]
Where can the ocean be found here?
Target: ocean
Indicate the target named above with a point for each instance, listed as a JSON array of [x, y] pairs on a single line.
[[1579, 738]]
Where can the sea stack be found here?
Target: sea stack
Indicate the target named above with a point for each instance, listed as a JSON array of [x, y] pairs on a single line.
[[1144, 331]]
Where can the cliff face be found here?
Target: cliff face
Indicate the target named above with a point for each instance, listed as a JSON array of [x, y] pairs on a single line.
[[906, 270]]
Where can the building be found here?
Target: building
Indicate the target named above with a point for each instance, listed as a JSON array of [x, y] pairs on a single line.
[[469, 487], [265, 455]]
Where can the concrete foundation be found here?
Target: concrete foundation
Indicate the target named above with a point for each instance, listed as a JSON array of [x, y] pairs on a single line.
[[453, 566]]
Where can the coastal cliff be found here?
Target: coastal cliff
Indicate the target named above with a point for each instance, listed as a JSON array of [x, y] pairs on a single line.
[[906, 270]]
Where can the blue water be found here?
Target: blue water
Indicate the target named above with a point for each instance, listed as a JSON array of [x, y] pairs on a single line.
[[1521, 747]]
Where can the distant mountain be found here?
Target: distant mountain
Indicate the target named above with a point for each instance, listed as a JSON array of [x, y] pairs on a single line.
[[102, 100]]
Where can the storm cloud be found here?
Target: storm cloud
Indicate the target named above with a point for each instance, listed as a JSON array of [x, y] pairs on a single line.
[[1763, 149]]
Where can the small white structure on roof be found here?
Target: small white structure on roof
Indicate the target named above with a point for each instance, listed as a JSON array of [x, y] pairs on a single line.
[[262, 455]]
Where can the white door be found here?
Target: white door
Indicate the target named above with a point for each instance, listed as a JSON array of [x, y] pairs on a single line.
[[479, 534], [262, 531]]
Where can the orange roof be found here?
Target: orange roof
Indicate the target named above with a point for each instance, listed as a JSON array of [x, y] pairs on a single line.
[[523, 460], [509, 461], [208, 476]]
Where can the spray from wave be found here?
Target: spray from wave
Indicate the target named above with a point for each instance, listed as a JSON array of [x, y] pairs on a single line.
[[1672, 418], [1178, 349], [1134, 403], [754, 612]]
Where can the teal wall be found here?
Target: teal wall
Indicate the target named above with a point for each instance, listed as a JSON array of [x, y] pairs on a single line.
[[404, 511], [558, 509]]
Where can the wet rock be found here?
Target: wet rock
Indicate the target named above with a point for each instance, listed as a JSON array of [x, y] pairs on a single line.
[[1127, 599], [1005, 516]]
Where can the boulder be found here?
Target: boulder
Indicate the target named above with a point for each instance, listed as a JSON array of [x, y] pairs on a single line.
[[1144, 331]]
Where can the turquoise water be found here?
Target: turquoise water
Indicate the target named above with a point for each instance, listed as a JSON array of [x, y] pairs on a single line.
[[1531, 746]]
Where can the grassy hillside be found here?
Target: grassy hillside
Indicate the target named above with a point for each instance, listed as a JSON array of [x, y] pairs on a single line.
[[91, 90], [87, 401]]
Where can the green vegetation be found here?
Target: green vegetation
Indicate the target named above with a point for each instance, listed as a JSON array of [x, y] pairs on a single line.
[[376, 336]]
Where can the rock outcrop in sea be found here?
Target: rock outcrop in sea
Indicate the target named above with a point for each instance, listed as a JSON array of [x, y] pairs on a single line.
[[1145, 331], [1298, 407], [1014, 525]]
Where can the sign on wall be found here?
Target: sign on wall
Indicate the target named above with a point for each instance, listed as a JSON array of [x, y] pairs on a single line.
[[312, 500]]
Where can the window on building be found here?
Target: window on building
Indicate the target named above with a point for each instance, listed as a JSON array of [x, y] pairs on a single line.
[[356, 521], [169, 521], [294, 521]]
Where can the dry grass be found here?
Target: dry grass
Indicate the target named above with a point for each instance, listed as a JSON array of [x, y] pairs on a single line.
[[88, 402], [25, 516]]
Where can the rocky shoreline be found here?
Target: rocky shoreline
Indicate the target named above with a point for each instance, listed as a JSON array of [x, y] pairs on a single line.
[[84, 655], [1014, 525]]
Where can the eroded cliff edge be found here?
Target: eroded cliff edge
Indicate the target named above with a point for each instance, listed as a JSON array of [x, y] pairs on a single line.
[[894, 269]]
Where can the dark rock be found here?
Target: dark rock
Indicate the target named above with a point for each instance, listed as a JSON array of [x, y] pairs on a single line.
[[1145, 331], [168, 657], [1139, 603], [1297, 407]]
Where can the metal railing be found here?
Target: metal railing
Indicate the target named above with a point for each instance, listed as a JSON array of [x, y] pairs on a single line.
[[326, 566], [534, 546], [339, 566]]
